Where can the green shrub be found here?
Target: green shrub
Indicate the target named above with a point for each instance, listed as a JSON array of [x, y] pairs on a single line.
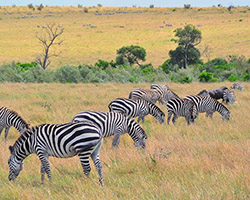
[[246, 77], [166, 67], [186, 79], [9, 73], [26, 66], [38, 75], [233, 78], [207, 77], [68, 74]]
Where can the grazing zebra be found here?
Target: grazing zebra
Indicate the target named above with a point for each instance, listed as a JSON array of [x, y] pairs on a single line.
[[112, 123], [146, 94], [181, 107], [164, 91], [237, 86], [57, 140], [223, 93], [10, 118], [133, 108], [209, 105]]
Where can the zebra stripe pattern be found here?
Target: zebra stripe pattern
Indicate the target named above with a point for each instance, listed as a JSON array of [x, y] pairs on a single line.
[[112, 123], [61, 141], [181, 107], [10, 118], [146, 94], [133, 108], [164, 91], [209, 105]]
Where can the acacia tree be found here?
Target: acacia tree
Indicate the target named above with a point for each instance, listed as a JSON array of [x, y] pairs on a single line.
[[132, 54], [49, 38], [186, 53]]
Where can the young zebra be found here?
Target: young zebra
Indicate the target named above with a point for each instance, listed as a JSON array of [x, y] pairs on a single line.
[[181, 107], [139, 107], [112, 123], [209, 105], [10, 118], [146, 94], [57, 140], [164, 91]]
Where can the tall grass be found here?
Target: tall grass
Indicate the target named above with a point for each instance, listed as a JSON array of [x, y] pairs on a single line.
[[209, 160]]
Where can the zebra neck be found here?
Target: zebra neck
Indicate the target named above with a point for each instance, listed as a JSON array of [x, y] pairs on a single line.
[[24, 145], [16, 121]]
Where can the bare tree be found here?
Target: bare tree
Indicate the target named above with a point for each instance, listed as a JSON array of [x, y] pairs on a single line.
[[206, 52], [48, 38]]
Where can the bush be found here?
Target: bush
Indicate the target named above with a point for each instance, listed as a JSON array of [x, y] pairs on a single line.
[[10, 73], [207, 77], [25, 66], [233, 78], [185, 79], [246, 77], [68, 74], [37, 75]]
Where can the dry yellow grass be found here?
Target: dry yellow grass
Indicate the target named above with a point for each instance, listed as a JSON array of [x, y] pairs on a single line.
[[224, 32], [207, 161]]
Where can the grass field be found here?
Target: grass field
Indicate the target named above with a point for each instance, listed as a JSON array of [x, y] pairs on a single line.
[[209, 160], [226, 33]]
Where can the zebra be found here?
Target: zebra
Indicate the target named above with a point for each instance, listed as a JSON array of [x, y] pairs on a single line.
[[209, 105], [237, 86], [133, 108], [164, 91], [146, 94], [181, 107], [223, 93], [112, 123], [58, 140], [10, 118]]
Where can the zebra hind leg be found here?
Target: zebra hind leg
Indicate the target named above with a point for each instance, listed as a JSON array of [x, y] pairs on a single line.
[[84, 159], [96, 160]]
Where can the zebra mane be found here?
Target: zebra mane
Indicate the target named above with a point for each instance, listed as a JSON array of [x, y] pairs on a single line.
[[15, 113]]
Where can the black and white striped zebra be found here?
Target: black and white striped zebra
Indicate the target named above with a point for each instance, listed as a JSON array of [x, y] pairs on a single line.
[[146, 94], [57, 140], [116, 124], [139, 107], [181, 107], [10, 118], [209, 105], [164, 91]]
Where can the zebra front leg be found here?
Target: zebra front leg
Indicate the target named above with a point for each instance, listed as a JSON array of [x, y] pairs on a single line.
[[1, 129], [116, 140], [6, 133], [45, 167], [84, 159], [174, 118], [169, 116], [96, 160]]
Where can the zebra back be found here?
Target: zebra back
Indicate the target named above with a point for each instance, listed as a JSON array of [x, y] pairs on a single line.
[[146, 94], [164, 91]]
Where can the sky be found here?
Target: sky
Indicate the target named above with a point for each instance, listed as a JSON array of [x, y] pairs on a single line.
[[128, 3]]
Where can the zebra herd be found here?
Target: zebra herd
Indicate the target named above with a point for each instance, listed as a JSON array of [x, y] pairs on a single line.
[[83, 136]]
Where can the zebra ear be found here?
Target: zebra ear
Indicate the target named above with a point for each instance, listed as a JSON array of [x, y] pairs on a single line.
[[11, 148]]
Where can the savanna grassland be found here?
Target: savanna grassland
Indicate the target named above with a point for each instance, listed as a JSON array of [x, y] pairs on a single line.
[[89, 37], [209, 160]]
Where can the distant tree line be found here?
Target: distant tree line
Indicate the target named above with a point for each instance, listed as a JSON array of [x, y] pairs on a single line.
[[183, 66]]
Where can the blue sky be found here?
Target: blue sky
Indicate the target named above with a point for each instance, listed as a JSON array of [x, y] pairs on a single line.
[[129, 3]]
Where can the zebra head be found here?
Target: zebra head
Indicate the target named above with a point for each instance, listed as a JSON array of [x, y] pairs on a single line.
[[160, 117], [15, 165], [226, 115], [137, 133]]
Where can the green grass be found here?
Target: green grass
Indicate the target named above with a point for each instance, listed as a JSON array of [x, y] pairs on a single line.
[[221, 31], [209, 160]]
